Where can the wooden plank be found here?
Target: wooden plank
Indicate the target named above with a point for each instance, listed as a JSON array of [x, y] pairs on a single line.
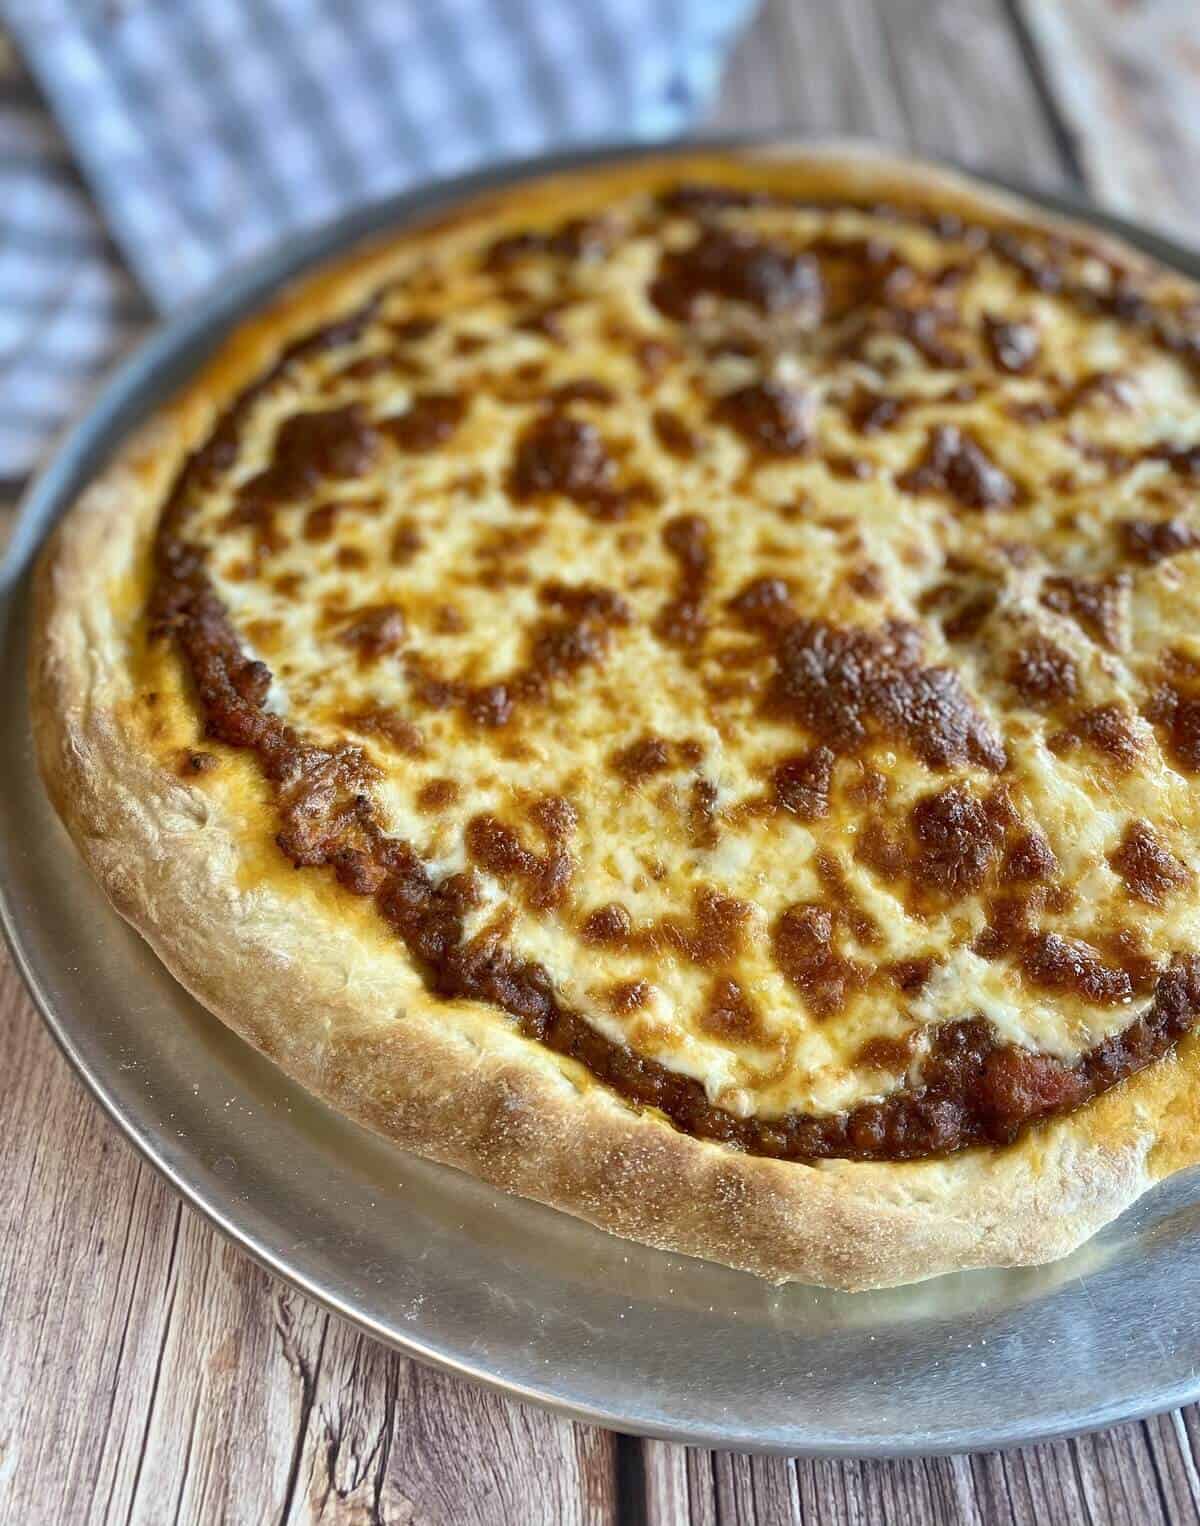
[[135, 1344], [941, 77], [87, 1246], [1172, 1442], [1125, 78], [235, 1361], [1118, 1478], [391, 1440], [155, 1374]]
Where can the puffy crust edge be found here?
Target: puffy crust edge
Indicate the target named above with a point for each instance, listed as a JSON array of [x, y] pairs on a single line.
[[480, 1097]]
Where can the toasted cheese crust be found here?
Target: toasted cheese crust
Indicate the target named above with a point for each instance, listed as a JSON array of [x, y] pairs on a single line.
[[735, 635]]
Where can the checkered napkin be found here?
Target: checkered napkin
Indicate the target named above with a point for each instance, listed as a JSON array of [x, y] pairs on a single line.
[[183, 136]]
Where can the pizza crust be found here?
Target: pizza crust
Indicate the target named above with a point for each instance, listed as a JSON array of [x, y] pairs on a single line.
[[331, 999]]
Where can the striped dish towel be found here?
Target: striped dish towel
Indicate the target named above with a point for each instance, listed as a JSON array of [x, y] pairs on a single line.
[[183, 136]]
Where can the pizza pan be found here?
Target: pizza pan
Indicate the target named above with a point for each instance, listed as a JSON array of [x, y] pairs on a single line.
[[507, 1292]]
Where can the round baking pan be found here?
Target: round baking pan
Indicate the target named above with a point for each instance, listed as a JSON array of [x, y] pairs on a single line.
[[506, 1292]]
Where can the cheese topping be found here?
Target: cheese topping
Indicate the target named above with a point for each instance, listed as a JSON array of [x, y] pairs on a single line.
[[769, 629]]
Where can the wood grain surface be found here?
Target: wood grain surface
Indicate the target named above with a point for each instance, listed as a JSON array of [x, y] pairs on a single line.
[[153, 1374]]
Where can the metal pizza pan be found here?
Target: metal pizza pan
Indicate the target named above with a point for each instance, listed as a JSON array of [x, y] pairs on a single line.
[[496, 1289]]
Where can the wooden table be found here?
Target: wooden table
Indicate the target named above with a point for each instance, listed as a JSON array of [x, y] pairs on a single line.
[[151, 1373]]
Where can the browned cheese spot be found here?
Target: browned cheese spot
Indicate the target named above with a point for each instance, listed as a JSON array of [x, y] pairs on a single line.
[[449, 620], [308, 449], [655, 357], [413, 330], [1124, 946], [736, 267], [1109, 387], [559, 647], [968, 620], [1042, 673], [586, 239], [406, 542], [609, 925], [379, 363], [702, 813], [1014, 347], [881, 851], [561, 454], [872, 412], [714, 935], [1184, 460], [729, 1013], [1150, 870], [843, 900], [849, 468], [1030, 411], [373, 631], [497, 848], [437, 794], [1174, 707], [1063, 964], [868, 581], [385, 725], [958, 841], [850, 687], [681, 620], [803, 943], [1152, 541], [911, 975], [764, 604], [642, 758], [958, 466], [675, 437], [628, 995], [313, 447], [1097, 605], [885, 1053], [584, 389], [547, 321], [1011, 922], [802, 784], [428, 422], [773, 419], [319, 524], [1029, 858], [555, 817], [1109, 731]]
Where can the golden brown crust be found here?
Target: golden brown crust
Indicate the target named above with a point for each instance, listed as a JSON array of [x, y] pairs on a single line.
[[332, 1000]]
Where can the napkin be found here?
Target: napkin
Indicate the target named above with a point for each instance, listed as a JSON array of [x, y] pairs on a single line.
[[183, 137]]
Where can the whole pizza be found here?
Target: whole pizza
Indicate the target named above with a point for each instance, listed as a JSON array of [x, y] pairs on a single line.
[[676, 689]]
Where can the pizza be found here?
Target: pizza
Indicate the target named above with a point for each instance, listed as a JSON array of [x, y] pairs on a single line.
[[675, 688]]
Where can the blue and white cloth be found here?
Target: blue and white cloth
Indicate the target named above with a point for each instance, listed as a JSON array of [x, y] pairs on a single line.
[[184, 136]]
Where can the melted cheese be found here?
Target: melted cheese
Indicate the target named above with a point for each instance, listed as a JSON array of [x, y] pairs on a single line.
[[445, 535]]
